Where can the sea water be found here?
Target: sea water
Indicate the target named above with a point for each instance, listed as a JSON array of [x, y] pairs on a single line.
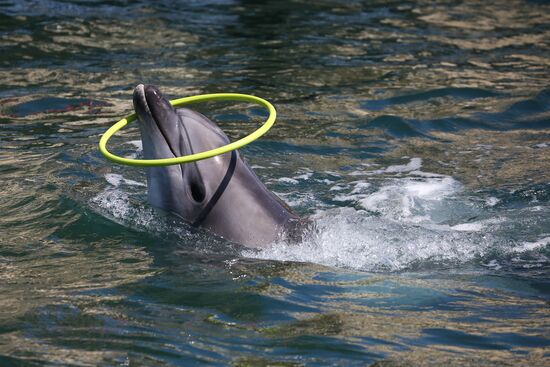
[[414, 135]]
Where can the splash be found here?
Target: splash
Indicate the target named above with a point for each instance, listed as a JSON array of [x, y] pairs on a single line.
[[123, 201], [411, 221], [115, 202], [352, 238]]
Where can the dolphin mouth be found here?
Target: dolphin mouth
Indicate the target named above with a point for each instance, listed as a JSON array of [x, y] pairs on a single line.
[[153, 108], [162, 127]]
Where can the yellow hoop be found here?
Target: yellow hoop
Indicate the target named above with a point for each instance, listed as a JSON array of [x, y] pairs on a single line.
[[196, 156]]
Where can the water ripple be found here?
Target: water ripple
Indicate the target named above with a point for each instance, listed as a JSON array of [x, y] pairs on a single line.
[[414, 135]]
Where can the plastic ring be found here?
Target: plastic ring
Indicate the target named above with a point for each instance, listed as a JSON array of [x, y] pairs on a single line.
[[196, 156]]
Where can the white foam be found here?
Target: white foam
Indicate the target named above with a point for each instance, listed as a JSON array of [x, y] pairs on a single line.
[[357, 193], [288, 180], [354, 197], [333, 174], [413, 200], [360, 187], [294, 199], [493, 264], [492, 201], [137, 143], [469, 227], [337, 187], [359, 173], [405, 222], [326, 181], [346, 237], [413, 165], [116, 180], [116, 204], [426, 174], [530, 246], [304, 176]]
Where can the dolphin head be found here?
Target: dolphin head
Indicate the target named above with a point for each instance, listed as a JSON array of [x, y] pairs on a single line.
[[167, 133], [221, 194]]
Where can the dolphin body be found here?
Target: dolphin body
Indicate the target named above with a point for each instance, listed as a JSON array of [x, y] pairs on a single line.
[[220, 194]]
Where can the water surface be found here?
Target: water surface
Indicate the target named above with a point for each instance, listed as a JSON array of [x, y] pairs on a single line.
[[416, 135]]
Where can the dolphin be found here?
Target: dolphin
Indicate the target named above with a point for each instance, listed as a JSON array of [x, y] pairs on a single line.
[[221, 194]]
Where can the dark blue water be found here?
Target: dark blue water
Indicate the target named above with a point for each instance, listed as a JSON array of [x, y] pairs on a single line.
[[416, 135]]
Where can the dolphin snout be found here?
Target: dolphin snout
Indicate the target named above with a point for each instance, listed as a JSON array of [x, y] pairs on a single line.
[[140, 102], [159, 121], [149, 101], [139, 89]]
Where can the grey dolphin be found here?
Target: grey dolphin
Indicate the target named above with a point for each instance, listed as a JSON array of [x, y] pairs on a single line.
[[220, 194]]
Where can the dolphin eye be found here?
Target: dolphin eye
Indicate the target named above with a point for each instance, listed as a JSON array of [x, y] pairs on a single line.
[[198, 192]]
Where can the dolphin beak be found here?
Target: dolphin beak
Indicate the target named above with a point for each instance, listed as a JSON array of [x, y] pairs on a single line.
[[164, 135], [159, 118]]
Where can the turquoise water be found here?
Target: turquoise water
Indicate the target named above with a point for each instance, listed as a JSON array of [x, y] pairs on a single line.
[[416, 135]]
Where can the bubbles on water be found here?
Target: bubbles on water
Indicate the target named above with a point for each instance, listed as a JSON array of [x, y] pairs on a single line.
[[138, 144], [116, 180], [352, 238], [530, 246], [410, 219], [413, 200], [413, 165], [288, 180], [114, 202], [123, 201], [492, 201]]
